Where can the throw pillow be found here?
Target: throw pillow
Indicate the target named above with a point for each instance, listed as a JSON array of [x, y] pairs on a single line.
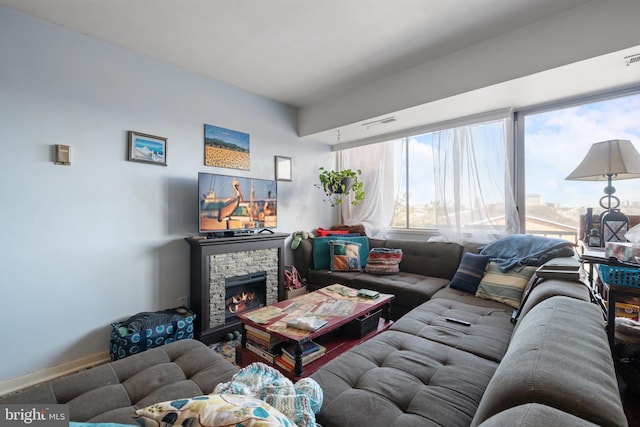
[[345, 256], [470, 272], [218, 410], [383, 261], [322, 252], [504, 287]]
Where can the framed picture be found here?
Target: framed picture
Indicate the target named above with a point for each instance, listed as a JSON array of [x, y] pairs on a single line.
[[283, 168], [146, 148], [226, 148]]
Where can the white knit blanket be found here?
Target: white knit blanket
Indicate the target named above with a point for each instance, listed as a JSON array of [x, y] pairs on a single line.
[[299, 402]]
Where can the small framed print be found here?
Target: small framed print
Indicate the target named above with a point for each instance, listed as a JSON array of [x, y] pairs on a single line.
[[147, 148], [283, 168]]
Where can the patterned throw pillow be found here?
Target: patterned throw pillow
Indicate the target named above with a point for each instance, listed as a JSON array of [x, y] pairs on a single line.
[[383, 261], [345, 256], [217, 410], [469, 273], [504, 287]]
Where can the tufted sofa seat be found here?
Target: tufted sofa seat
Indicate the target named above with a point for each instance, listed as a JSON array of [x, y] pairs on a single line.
[[112, 392]]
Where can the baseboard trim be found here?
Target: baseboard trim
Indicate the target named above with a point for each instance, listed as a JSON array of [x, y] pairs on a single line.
[[48, 374]]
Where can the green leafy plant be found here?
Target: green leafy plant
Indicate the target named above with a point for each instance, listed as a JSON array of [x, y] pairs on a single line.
[[339, 184]]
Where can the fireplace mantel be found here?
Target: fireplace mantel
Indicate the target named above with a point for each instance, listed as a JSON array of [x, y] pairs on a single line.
[[202, 252]]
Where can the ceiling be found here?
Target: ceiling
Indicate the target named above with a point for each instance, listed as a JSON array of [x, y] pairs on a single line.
[[299, 52]]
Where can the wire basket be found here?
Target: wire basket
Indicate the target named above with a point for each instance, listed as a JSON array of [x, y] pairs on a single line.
[[621, 276]]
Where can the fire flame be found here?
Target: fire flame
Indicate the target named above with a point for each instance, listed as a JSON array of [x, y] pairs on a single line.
[[240, 301]]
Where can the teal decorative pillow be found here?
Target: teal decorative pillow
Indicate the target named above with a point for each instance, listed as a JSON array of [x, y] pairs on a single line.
[[345, 256], [215, 410], [322, 252], [469, 273], [504, 287]]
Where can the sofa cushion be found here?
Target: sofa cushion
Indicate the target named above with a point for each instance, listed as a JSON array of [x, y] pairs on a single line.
[[318, 279], [409, 289], [559, 357], [504, 287], [434, 259], [488, 335], [322, 253], [470, 272], [398, 379]]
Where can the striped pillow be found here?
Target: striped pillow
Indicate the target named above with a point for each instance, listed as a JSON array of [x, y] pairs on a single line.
[[470, 272], [504, 287]]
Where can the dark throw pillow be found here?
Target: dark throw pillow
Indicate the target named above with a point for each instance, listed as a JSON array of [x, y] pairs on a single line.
[[469, 273]]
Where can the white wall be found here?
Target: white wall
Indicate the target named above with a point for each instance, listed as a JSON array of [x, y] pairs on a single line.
[[92, 243]]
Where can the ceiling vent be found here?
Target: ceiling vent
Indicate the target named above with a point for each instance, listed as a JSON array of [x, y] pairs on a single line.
[[384, 121], [632, 59]]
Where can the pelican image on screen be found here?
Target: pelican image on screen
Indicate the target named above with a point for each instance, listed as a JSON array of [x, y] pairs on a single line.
[[236, 203]]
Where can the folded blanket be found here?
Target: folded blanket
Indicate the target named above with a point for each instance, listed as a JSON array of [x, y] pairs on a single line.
[[518, 250], [299, 402]]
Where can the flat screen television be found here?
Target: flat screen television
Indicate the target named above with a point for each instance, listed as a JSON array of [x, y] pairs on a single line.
[[230, 204]]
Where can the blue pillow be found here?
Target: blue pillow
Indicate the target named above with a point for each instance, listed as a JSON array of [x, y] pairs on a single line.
[[470, 272], [322, 253]]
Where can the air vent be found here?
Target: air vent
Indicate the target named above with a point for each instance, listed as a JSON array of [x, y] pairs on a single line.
[[384, 121], [632, 59]]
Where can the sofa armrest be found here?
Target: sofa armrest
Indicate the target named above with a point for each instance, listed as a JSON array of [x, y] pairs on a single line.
[[303, 258]]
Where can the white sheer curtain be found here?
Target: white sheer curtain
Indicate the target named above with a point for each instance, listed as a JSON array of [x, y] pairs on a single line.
[[380, 166], [459, 182], [473, 183]]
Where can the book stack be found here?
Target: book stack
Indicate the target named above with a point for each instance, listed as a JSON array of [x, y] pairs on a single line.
[[262, 343], [310, 352]]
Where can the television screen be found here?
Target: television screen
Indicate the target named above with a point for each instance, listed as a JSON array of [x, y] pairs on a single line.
[[230, 203]]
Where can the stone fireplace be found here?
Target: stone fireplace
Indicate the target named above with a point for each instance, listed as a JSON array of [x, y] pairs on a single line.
[[240, 266], [217, 262]]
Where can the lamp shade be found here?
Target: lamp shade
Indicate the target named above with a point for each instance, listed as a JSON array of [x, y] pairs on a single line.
[[617, 158]]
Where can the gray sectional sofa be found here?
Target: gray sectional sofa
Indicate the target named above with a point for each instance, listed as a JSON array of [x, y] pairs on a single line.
[[552, 367]]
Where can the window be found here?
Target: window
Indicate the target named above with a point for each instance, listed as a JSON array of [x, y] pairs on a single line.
[[455, 180], [555, 142]]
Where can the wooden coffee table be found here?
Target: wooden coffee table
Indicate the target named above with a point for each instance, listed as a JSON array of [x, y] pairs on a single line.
[[337, 304]]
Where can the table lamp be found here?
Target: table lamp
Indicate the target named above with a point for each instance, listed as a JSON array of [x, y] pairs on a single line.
[[605, 161]]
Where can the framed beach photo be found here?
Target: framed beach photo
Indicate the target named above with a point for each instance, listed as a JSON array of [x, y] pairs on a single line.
[[226, 148], [147, 148]]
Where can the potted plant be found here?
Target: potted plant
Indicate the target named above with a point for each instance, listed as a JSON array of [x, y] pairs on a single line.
[[339, 184]]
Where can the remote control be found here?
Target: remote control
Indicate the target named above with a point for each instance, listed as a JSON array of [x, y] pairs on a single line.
[[454, 320]]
